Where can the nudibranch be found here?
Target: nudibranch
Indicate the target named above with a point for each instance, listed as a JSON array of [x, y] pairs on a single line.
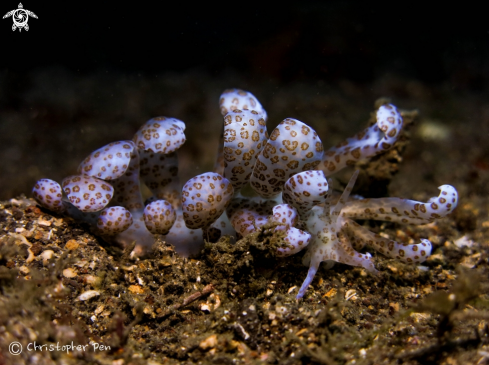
[[336, 237], [292, 147], [204, 199], [288, 171], [111, 175], [245, 134], [290, 175], [372, 141], [241, 101]]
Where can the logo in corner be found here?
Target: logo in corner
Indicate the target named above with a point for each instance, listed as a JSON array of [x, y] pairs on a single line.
[[20, 17]]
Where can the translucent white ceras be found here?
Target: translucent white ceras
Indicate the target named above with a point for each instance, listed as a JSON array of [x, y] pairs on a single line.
[[336, 237], [159, 217], [160, 135], [113, 220], [49, 194], [106, 222], [108, 162], [305, 190], [119, 162], [230, 100], [401, 211], [245, 134], [404, 210], [157, 141], [249, 214], [233, 99], [293, 147], [374, 140], [204, 199], [284, 214], [295, 239], [87, 193]]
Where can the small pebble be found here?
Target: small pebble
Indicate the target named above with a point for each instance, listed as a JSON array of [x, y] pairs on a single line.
[[136, 289], [72, 245], [44, 223], [46, 256], [88, 295], [209, 342], [69, 273]]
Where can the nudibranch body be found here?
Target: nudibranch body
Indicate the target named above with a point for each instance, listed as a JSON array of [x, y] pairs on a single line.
[[372, 141], [290, 174], [293, 147], [111, 176], [204, 199], [336, 237], [287, 170]]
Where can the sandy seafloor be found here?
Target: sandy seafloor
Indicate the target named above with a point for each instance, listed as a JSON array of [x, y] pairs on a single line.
[[434, 314]]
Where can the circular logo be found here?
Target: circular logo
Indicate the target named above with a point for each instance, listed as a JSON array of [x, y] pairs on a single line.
[[20, 17], [15, 348]]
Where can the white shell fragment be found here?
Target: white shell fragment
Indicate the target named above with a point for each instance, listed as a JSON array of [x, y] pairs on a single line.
[[293, 147], [159, 216], [204, 199], [114, 220], [87, 193], [372, 141], [160, 135], [48, 193], [108, 162]]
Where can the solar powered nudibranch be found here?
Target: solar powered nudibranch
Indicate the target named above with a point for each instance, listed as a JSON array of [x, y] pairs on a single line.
[[287, 169]]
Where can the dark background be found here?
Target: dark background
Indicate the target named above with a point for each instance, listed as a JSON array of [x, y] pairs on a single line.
[[86, 74], [320, 40]]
